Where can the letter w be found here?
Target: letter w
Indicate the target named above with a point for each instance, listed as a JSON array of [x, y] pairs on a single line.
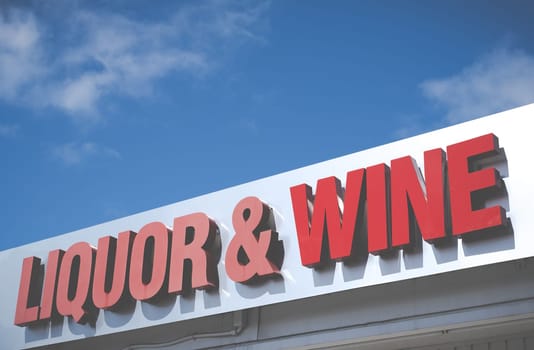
[[339, 224]]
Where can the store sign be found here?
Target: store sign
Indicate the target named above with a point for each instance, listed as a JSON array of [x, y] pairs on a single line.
[[439, 202], [145, 265], [396, 199], [84, 277]]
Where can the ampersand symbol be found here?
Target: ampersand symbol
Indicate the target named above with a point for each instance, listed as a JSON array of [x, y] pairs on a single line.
[[255, 250]]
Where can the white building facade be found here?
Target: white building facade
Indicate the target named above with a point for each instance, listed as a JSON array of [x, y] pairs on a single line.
[[424, 243]]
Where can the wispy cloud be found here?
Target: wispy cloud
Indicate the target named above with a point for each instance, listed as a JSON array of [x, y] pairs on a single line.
[[498, 81], [8, 130], [20, 56], [412, 126], [104, 54], [76, 153]]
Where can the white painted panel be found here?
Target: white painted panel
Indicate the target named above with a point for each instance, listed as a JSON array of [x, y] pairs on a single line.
[[298, 281]]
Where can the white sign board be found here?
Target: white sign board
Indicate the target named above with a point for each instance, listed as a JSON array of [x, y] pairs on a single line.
[[297, 281]]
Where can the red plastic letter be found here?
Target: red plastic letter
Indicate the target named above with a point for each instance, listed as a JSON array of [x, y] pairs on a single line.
[[340, 228], [48, 303], [193, 239], [466, 183], [111, 266], [378, 209], [74, 284], [427, 202], [254, 251], [25, 313], [148, 270]]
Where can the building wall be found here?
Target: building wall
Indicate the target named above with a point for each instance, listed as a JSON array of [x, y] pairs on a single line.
[[489, 307]]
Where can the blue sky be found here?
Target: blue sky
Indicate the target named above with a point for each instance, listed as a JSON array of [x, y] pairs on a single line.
[[112, 108]]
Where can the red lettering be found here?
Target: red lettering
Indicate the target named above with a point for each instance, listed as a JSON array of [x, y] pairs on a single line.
[[150, 251], [340, 227], [255, 250], [399, 199], [74, 283], [194, 238], [378, 227], [412, 200], [48, 302], [328, 224], [27, 310], [111, 267], [467, 183]]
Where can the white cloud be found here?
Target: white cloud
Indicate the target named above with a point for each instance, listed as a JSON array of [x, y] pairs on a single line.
[[104, 54], [501, 80], [7, 130], [411, 129], [76, 153], [19, 54]]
